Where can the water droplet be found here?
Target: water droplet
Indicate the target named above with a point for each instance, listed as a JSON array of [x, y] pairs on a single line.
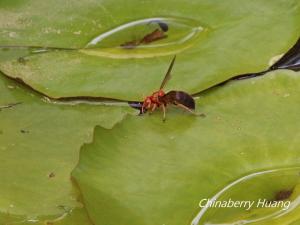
[[12, 34], [272, 196], [77, 32], [33, 220], [146, 38]]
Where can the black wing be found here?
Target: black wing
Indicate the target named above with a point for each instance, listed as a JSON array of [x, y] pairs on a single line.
[[168, 74]]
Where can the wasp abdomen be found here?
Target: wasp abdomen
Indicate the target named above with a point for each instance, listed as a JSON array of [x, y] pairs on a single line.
[[178, 97]]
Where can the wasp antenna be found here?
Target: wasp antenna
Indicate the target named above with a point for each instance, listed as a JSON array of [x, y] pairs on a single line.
[[168, 74]]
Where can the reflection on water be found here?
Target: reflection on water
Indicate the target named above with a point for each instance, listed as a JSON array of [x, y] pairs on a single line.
[[146, 38]]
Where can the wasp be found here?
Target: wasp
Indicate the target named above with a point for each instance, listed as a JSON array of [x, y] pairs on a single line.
[[160, 99], [157, 34]]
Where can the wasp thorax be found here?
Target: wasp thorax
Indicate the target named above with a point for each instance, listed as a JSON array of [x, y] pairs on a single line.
[[155, 95]]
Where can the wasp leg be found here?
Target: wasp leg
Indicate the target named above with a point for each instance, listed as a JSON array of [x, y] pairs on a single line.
[[164, 112], [143, 110], [153, 108], [189, 110]]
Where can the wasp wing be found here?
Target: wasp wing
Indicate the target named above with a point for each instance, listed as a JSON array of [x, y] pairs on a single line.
[[168, 74]]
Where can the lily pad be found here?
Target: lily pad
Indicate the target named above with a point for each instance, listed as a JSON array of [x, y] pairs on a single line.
[[75, 216], [144, 171], [39, 146], [236, 40], [273, 199]]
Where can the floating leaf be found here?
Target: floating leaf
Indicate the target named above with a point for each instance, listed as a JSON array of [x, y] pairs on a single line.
[[273, 198], [236, 40], [144, 171], [39, 145]]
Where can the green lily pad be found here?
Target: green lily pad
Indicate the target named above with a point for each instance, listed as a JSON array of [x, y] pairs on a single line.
[[39, 145], [144, 171], [75, 216], [234, 40], [273, 199]]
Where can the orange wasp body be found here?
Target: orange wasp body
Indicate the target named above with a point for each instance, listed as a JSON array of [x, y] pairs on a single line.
[[161, 99]]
